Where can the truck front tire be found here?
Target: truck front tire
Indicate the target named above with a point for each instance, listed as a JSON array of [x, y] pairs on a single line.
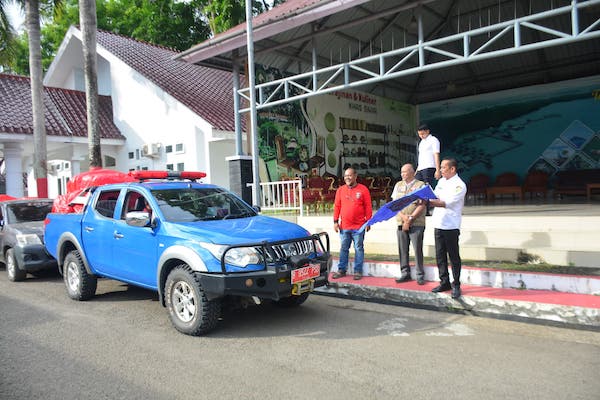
[[12, 269], [80, 285], [190, 310]]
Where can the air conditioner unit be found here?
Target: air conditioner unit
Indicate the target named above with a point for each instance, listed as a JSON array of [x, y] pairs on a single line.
[[151, 150]]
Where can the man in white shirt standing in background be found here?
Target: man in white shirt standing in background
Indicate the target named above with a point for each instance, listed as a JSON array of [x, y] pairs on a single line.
[[447, 215], [428, 165]]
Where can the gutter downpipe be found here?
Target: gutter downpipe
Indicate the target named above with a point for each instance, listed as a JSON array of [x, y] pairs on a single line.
[[236, 106]]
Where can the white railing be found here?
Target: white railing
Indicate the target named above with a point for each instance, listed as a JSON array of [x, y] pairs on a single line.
[[282, 196]]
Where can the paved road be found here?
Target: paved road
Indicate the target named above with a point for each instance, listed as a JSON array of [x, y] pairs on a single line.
[[120, 345]]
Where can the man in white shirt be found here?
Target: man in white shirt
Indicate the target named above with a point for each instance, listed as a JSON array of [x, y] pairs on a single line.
[[447, 215], [428, 165]]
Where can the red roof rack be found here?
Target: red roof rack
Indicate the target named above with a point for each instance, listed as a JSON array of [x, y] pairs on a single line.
[[144, 174]]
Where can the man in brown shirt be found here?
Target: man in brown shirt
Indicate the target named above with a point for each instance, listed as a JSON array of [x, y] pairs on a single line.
[[411, 225]]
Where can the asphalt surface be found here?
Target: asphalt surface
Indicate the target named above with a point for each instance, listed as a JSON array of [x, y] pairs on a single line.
[[121, 345]]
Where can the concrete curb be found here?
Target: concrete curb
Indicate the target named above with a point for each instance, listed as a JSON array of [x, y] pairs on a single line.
[[532, 312], [494, 278]]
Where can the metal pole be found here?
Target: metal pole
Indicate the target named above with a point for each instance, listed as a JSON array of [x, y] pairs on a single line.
[[251, 84], [236, 106]]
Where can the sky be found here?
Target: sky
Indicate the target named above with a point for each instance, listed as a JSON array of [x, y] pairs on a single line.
[[16, 16]]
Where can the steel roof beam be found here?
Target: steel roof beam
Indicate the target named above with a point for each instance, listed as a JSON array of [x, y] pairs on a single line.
[[372, 69]]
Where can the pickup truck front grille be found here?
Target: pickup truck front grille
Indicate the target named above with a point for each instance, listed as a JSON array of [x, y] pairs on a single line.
[[286, 251], [282, 252]]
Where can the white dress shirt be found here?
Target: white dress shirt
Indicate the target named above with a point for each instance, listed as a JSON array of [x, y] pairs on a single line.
[[427, 148], [452, 192]]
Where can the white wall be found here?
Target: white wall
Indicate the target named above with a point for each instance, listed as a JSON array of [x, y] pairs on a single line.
[[144, 113], [219, 166]]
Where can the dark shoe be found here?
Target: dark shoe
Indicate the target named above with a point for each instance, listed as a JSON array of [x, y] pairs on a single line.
[[441, 288], [456, 292], [403, 278], [420, 281], [357, 276], [338, 274]]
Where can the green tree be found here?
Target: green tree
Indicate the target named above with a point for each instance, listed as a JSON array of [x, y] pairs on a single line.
[[174, 24], [225, 14], [7, 36]]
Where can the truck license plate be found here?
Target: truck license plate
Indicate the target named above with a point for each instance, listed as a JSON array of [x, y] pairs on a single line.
[[305, 273]]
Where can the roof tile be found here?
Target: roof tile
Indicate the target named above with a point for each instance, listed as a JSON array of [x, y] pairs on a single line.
[[65, 110], [206, 91]]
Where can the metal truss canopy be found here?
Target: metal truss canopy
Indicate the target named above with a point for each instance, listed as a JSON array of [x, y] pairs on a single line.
[[501, 39]]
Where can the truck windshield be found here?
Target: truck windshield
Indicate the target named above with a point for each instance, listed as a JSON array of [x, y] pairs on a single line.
[[189, 205], [27, 212]]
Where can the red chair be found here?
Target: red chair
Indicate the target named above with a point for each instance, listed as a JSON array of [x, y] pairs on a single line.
[[477, 186], [506, 183], [536, 182], [378, 191], [313, 192], [328, 189]]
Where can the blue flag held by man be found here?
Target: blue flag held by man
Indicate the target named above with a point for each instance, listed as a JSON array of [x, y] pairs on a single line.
[[390, 209]]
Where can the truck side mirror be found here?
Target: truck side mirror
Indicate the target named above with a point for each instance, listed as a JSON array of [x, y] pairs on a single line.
[[137, 218]]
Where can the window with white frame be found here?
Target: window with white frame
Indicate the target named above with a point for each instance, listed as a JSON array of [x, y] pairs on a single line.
[[109, 161]]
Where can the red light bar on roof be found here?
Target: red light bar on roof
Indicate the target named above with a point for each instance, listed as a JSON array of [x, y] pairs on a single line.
[[141, 175]]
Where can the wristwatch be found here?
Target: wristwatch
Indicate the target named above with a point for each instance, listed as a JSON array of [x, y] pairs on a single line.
[[410, 217]]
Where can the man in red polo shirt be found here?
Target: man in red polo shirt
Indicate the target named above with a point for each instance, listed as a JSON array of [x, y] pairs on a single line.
[[351, 209]]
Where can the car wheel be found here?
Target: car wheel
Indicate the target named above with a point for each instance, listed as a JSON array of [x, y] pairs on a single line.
[[190, 310], [12, 269], [80, 284], [292, 301]]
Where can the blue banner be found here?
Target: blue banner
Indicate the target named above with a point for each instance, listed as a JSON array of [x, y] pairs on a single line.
[[390, 209]]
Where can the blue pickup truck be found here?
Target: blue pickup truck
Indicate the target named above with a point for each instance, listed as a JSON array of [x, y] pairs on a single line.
[[194, 243]]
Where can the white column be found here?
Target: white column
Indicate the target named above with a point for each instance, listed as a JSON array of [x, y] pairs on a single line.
[[75, 166], [78, 154], [13, 153]]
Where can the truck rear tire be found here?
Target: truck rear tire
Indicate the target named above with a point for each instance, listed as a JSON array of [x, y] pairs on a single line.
[[12, 269], [80, 285], [189, 309]]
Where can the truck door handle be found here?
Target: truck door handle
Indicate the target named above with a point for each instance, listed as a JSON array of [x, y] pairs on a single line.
[[117, 235], [89, 229]]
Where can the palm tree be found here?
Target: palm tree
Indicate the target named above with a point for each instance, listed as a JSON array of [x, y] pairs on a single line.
[[32, 19], [7, 35], [40, 167], [89, 23]]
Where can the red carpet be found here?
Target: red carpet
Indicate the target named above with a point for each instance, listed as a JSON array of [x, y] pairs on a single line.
[[535, 296]]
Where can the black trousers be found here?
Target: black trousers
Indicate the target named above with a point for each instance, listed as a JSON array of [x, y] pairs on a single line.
[[426, 175], [446, 245]]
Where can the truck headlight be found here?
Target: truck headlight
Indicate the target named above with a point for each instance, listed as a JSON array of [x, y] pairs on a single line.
[[28, 239], [238, 256]]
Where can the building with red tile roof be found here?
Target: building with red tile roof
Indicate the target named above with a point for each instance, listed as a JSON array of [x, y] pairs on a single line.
[[155, 112]]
